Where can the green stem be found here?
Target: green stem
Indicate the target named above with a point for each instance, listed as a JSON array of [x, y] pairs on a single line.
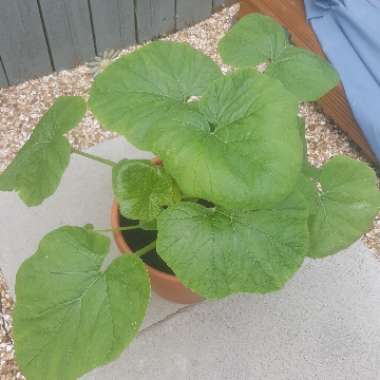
[[146, 249], [94, 157], [118, 229]]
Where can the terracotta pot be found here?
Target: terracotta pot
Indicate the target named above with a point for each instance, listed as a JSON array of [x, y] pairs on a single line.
[[164, 284]]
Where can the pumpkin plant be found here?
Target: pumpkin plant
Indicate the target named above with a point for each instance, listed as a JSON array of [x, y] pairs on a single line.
[[235, 203]]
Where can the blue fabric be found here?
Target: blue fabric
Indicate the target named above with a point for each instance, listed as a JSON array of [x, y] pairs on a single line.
[[349, 33]]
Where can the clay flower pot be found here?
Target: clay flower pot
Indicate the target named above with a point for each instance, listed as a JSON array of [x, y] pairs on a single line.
[[164, 284]]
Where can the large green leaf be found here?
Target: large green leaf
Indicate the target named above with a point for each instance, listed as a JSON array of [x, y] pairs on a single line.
[[241, 150], [71, 317], [36, 171], [303, 73], [237, 147], [257, 39], [217, 252], [347, 203], [136, 91], [142, 189]]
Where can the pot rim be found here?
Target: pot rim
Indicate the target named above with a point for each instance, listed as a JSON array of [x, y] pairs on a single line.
[[125, 249]]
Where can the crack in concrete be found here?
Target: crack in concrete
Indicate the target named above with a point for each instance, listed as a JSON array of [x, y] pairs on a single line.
[[167, 318]]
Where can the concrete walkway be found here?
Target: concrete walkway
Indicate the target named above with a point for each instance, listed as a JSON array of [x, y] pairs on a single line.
[[325, 324]]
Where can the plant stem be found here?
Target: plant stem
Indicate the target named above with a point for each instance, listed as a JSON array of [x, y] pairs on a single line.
[[146, 249], [94, 157], [118, 229]]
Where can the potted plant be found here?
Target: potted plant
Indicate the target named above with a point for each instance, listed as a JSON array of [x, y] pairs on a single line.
[[231, 205]]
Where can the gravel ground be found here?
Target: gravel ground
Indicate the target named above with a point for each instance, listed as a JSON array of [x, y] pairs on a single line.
[[21, 107]]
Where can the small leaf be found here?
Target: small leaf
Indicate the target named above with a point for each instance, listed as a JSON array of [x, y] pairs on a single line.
[[254, 39], [142, 189], [149, 85], [347, 204], [217, 252], [70, 317], [303, 73], [36, 171], [257, 39]]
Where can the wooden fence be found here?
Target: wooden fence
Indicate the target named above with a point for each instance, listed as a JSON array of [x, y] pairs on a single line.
[[38, 37]]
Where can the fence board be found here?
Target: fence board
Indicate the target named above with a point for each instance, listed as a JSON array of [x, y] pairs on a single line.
[[191, 12], [69, 34], [3, 77], [217, 4], [114, 23], [154, 18], [39, 36], [23, 47]]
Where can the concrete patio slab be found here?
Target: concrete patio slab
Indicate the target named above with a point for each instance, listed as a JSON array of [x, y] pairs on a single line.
[[84, 196], [324, 325]]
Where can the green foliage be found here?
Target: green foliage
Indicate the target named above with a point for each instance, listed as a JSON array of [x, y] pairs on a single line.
[[253, 40], [216, 252], [235, 203], [71, 317], [295, 66], [36, 171], [245, 112], [148, 225], [207, 148], [347, 203], [142, 189], [259, 39], [139, 90]]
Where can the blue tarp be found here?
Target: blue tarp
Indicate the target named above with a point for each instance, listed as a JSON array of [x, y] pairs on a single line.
[[349, 33]]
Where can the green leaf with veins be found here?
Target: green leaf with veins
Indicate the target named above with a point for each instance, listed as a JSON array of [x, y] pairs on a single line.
[[142, 189], [149, 85], [216, 252], [303, 73], [242, 150], [36, 171], [253, 40], [238, 148], [256, 39], [346, 205], [70, 316]]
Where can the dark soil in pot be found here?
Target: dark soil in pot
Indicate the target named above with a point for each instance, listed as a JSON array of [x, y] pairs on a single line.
[[139, 238]]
